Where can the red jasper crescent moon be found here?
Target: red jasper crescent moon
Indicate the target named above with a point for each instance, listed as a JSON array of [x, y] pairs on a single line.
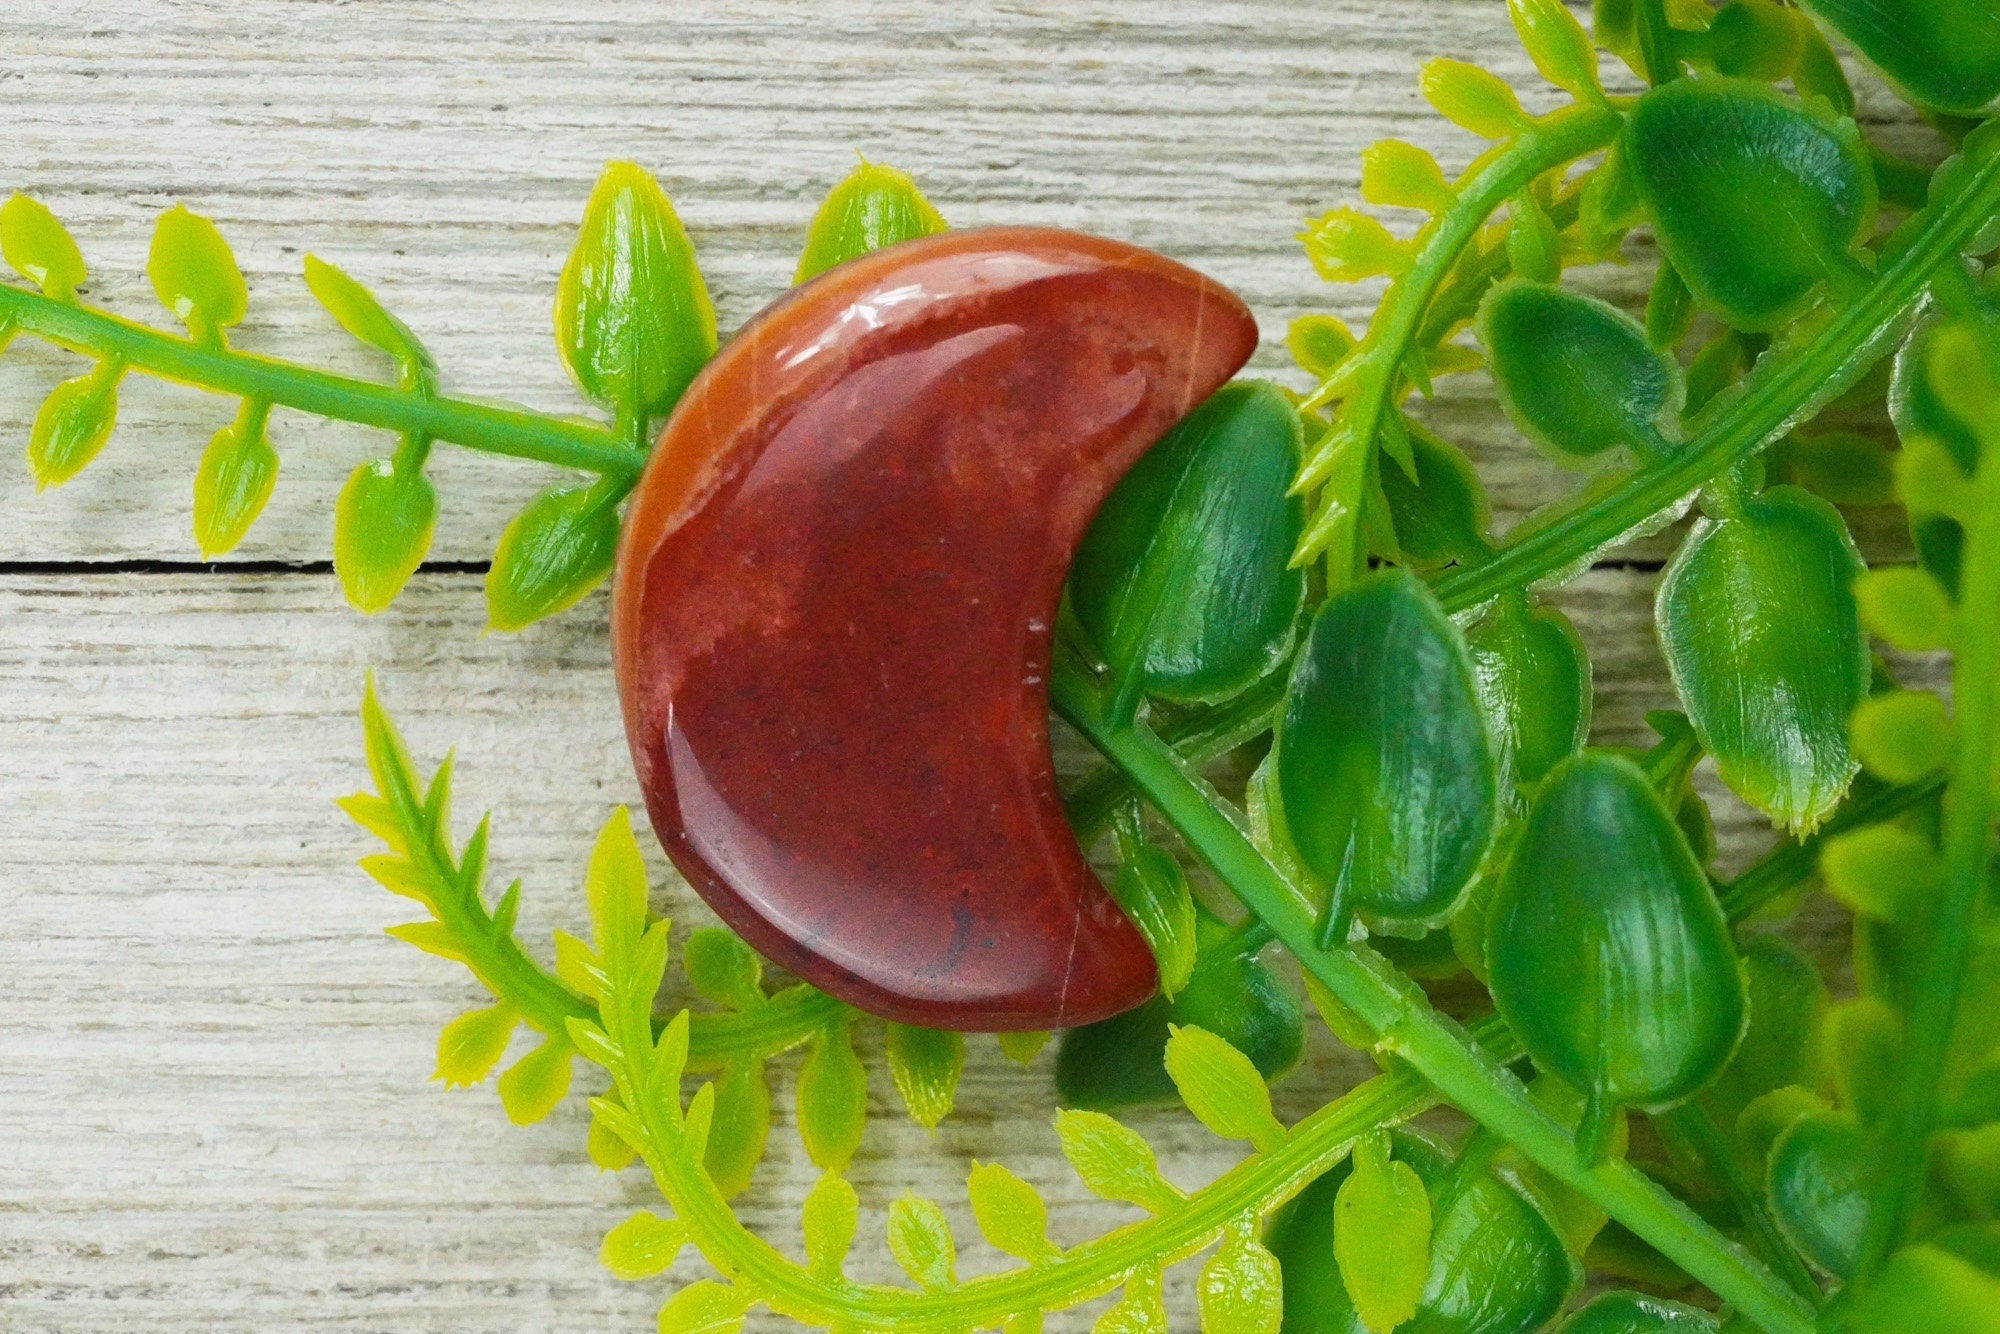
[[836, 589]]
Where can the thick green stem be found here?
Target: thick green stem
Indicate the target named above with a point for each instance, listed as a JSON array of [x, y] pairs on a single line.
[[1692, 1133], [1436, 1047], [1970, 810], [566, 442], [1787, 386]]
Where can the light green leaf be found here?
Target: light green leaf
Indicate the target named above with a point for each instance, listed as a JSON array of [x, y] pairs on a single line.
[[829, 1218], [1558, 45], [1140, 1310], [194, 274], [604, 1142], [1399, 175], [642, 1246], [832, 1098], [471, 1044], [382, 526], [1222, 1088], [1469, 96], [925, 1064], [358, 311], [1009, 1212], [238, 469], [705, 1307], [697, 1122], [1382, 1235], [1153, 891], [1882, 872], [742, 1122], [873, 206], [1903, 736], [1114, 1162], [1905, 605], [553, 552], [1241, 1290], [722, 968], [633, 318], [1319, 343], [614, 885], [73, 423], [40, 248], [533, 1086], [578, 967], [920, 1239], [1948, 1285], [1022, 1047]]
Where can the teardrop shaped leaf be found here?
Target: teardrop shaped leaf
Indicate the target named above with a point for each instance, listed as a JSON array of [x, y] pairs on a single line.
[[1182, 579], [1534, 679], [195, 275], [382, 525], [1382, 1235], [72, 424], [1944, 54], [633, 318], [1578, 377], [1384, 773], [828, 1219], [237, 472], [1222, 1088], [872, 207], [742, 1124], [1241, 1290], [1758, 622], [1113, 1161], [1009, 1212], [1755, 199], [39, 247], [1636, 1313], [1121, 1061], [472, 1044], [1153, 892], [1786, 999], [925, 1064], [1606, 950], [533, 1085], [358, 311], [1440, 514], [1819, 1177], [1139, 1309], [642, 1246], [832, 1099], [1948, 1285], [723, 968], [553, 552], [920, 1239]]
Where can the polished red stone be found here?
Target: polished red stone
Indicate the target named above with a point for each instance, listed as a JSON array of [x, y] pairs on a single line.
[[834, 601]]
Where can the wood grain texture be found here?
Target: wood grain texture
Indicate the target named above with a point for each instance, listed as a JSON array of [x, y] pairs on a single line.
[[213, 1107]]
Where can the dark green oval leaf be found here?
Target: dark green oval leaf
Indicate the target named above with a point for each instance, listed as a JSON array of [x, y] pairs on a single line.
[[1384, 772], [1818, 1181], [1755, 199], [1577, 376], [1943, 53], [1182, 579], [1635, 1313], [1780, 1044], [1757, 619], [1441, 514], [1606, 950], [1534, 679]]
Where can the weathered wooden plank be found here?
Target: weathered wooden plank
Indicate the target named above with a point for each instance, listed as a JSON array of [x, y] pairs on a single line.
[[212, 1074], [442, 152]]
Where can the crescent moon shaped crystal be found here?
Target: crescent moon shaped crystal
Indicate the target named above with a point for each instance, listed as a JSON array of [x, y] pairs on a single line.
[[835, 596]]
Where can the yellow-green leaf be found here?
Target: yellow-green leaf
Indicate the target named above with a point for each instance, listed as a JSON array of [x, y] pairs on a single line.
[[1903, 736], [742, 1121], [722, 968], [1468, 96], [1402, 175], [1022, 1047], [471, 1043], [1009, 1212], [1140, 1310], [40, 248], [73, 423], [1382, 1235], [609, 1149], [1241, 1290], [1558, 45], [614, 884], [1113, 1161], [642, 1246], [828, 1220], [553, 552], [238, 469], [920, 1239], [432, 938], [1221, 1087], [533, 1085], [1907, 606], [382, 526], [705, 1307], [925, 1064], [832, 1098], [1881, 871], [194, 274], [359, 312], [874, 206]]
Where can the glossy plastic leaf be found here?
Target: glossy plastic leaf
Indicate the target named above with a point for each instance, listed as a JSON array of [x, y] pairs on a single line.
[[39, 248], [473, 1043], [722, 968], [832, 1099], [1439, 512], [1577, 376], [1818, 1183], [1222, 1088], [1754, 198], [920, 1239], [1786, 999], [1153, 891], [195, 275], [1534, 249], [705, 1307], [1319, 343], [1903, 736], [1139, 1309], [1945, 54], [1121, 1061], [1346, 246], [1534, 680], [533, 1085], [382, 526], [925, 1065], [1241, 1290], [874, 206], [1182, 579], [1113, 1161], [1402, 175], [1757, 619], [1022, 1047], [1469, 96], [1557, 43], [742, 1124], [643, 1246], [1606, 950], [1384, 773], [633, 318], [1009, 1212], [830, 1215], [233, 482], [1636, 1313], [360, 313], [1382, 1235], [73, 423]]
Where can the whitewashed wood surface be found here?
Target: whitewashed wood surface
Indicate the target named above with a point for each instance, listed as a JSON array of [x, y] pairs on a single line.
[[214, 1112]]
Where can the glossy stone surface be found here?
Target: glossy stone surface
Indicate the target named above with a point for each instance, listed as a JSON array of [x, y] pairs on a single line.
[[834, 602]]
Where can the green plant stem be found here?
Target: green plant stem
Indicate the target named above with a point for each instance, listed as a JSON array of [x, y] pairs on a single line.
[[1970, 810], [1437, 1048], [1786, 386], [1692, 1133], [567, 442], [1788, 864]]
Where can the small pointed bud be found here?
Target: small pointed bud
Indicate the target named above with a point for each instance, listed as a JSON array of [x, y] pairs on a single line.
[[40, 248], [234, 480], [382, 527], [1402, 175], [74, 422], [1346, 246], [874, 206]]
